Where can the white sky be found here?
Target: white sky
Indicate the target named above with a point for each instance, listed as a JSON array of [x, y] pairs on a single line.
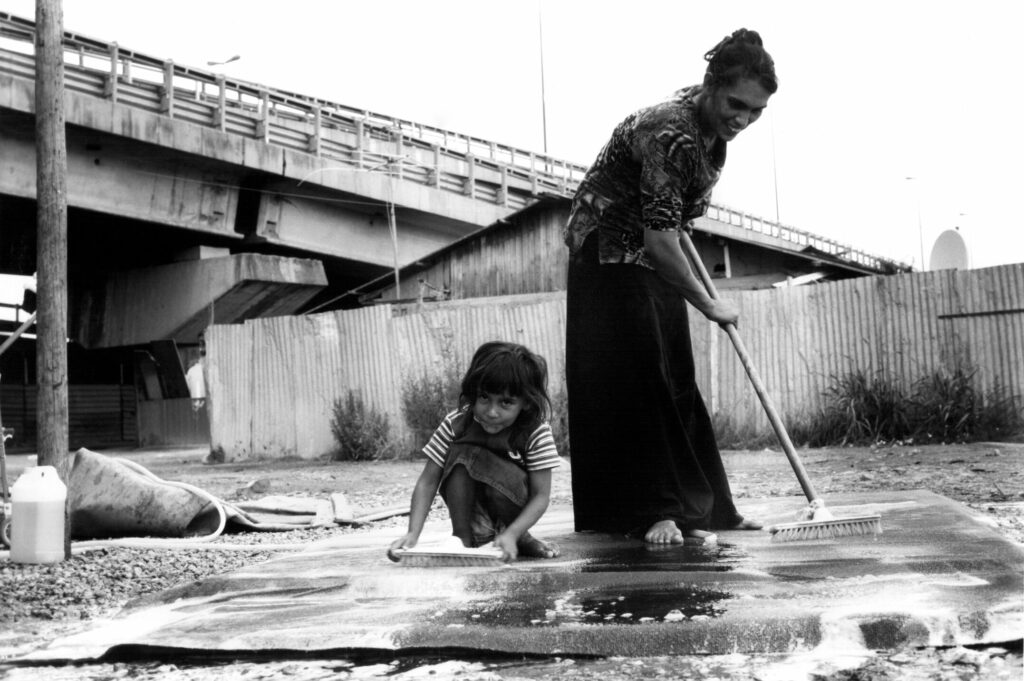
[[871, 92]]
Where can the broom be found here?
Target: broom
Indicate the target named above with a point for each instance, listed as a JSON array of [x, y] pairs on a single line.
[[816, 521], [448, 553]]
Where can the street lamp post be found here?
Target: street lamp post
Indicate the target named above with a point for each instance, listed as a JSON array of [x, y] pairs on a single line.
[[920, 228], [226, 61]]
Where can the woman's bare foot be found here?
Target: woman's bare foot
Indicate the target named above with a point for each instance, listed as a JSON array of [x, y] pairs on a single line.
[[664, 532], [701, 537], [531, 547]]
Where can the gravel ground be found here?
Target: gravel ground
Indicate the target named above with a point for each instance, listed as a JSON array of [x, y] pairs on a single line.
[[41, 602]]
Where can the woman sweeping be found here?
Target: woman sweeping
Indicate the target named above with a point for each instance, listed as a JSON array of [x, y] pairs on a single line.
[[644, 456]]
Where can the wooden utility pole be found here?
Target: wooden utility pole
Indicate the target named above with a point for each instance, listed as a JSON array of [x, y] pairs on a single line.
[[51, 245]]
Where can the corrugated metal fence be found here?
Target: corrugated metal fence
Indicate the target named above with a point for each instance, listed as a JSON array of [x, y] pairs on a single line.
[[903, 327], [273, 381], [99, 415]]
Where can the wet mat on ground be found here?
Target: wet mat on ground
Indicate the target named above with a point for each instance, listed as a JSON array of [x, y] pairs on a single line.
[[937, 575]]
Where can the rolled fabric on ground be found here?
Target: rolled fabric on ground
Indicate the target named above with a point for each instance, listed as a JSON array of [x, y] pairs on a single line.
[[108, 498]]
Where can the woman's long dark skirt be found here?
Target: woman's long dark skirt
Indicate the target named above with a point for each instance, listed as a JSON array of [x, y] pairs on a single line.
[[642, 445]]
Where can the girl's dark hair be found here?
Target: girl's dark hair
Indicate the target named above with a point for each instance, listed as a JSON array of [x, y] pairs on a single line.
[[497, 367], [740, 55]]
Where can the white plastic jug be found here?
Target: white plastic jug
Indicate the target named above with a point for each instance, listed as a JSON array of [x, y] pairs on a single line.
[[37, 516]]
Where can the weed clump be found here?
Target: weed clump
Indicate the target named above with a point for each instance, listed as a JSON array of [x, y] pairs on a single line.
[[361, 433], [426, 400], [943, 407], [733, 435], [860, 409], [947, 408]]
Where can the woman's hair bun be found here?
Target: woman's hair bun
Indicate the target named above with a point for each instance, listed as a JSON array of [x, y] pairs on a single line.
[[748, 36], [740, 54], [740, 35]]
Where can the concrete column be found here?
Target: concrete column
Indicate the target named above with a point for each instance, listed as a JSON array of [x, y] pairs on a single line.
[[534, 188], [263, 125], [503, 190], [314, 141], [469, 184], [220, 115], [167, 97], [110, 86], [399, 150], [360, 132], [435, 172]]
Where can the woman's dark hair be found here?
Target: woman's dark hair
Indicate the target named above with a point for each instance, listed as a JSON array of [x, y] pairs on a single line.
[[497, 367], [740, 55]]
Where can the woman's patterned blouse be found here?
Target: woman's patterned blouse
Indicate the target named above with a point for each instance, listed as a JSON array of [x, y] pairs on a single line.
[[654, 173]]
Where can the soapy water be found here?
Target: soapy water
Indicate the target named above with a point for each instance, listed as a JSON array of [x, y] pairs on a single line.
[[673, 602], [670, 558], [677, 603]]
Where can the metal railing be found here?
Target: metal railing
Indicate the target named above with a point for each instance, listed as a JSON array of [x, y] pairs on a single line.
[[478, 168], [354, 138], [824, 245]]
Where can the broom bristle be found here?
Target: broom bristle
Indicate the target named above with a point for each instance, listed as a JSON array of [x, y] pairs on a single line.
[[827, 529], [484, 556]]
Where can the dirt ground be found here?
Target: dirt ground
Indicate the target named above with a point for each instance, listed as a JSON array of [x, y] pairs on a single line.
[[988, 477]]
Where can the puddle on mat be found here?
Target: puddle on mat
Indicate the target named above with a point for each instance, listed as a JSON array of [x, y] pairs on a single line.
[[720, 558], [676, 604]]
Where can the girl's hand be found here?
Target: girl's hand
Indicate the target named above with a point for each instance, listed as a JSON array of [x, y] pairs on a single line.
[[406, 542], [509, 547]]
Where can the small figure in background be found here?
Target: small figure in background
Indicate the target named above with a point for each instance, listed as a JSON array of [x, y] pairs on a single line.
[[195, 377]]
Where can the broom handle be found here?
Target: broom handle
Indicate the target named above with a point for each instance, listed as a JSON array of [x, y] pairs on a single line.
[[755, 378]]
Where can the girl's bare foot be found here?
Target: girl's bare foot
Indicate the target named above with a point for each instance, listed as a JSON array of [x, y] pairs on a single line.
[[664, 532], [747, 525], [531, 547]]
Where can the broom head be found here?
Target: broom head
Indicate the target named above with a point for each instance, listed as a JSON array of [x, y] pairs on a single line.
[[827, 529], [448, 555]]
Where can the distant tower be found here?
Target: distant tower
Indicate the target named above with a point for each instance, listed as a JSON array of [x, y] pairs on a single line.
[[949, 252]]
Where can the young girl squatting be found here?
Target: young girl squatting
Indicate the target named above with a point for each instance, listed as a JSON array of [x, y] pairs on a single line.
[[492, 458]]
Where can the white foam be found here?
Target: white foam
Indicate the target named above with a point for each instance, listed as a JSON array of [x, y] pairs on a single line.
[[958, 579], [96, 640], [871, 508], [1006, 621]]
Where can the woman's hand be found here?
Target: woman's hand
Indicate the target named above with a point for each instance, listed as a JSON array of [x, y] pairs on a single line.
[[722, 311], [671, 263]]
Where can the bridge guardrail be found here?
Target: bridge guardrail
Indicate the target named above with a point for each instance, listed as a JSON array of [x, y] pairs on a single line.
[[496, 172], [801, 238], [356, 138]]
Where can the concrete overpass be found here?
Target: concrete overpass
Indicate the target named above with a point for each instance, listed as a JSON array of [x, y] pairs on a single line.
[[168, 164], [283, 197]]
